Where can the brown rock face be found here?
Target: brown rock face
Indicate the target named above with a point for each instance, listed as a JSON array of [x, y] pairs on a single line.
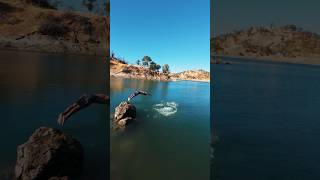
[[124, 113], [49, 153]]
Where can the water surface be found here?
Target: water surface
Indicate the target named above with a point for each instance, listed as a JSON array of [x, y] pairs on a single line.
[[170, 138], [35, 88], [266, 117]]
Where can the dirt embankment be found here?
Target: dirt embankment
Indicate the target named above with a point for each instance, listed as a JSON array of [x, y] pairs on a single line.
[[27, 27]]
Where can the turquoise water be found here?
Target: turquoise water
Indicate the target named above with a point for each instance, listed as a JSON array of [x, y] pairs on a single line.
[[266, 117], [35, 88], [170, 142]]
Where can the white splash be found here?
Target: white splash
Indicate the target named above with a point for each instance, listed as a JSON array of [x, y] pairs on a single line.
[[166, 108]]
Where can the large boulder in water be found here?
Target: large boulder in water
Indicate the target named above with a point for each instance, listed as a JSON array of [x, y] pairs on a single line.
[[124, 113], [49, 154]]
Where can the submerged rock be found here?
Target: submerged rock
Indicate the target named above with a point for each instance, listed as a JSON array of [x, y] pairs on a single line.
[[124, 113], [49, 154]]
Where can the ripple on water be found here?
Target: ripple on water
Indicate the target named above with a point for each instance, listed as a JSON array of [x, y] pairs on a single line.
[[166, 108]]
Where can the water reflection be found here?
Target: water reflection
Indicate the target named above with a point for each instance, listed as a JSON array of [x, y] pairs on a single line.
[[262, 112], [127, 86]]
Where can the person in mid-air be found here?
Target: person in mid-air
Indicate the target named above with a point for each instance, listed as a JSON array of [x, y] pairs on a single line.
[[83, 102], [136, 93], [86, 100]]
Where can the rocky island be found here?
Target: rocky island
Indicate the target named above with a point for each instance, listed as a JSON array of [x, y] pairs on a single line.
[[287, 43]]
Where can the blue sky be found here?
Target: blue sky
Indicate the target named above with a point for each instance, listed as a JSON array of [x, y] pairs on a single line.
[[230, 15], [174, 32]]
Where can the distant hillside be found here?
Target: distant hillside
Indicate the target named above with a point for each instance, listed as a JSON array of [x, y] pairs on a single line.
[[198, 75], [287, 43], [32, 27], [119, 68]]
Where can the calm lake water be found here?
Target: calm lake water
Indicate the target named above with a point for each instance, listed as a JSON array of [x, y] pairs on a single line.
[[35, 88], [267, 120], [170, 138]]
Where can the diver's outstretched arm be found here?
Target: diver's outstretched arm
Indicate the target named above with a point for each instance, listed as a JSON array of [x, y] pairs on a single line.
[[83, 102], [143, 92]]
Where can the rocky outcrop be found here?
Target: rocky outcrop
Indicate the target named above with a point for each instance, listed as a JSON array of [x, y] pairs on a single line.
[[124, 113], [49, 154]]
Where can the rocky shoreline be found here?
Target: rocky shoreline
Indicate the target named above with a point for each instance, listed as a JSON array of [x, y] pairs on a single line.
[[123, 70], [49, 46], [155, 79], [296, 60]]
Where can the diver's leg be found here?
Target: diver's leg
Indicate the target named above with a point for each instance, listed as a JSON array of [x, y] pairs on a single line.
[[65, 114], [82, 102], [70, 108]]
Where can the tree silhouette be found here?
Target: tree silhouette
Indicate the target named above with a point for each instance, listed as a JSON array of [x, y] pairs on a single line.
[[153, 66], [158, 67], [165, 69], [146, 60]]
